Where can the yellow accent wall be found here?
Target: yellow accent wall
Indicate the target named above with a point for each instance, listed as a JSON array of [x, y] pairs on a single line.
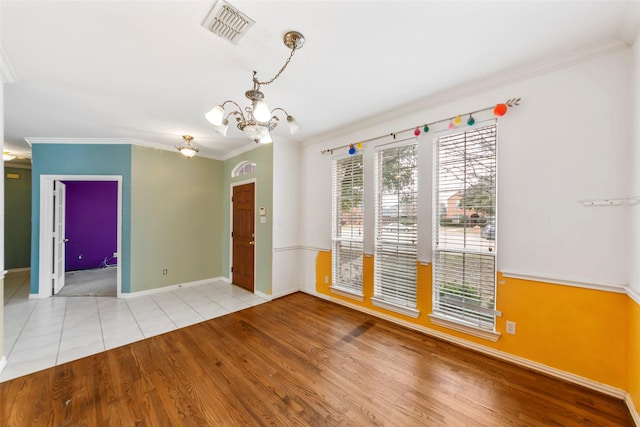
[[582, 331], [634, 353]]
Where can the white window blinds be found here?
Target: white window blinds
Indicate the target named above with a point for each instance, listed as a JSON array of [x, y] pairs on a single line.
[[347, 223], [464, 227], [395, 247]]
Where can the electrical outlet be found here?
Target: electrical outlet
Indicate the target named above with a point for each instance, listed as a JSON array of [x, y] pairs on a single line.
[[326, 279], [511, 327], [165, 272]]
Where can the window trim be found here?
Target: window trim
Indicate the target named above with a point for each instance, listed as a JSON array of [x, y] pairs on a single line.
[[346, 292], [340, 289], [402, 309], [461, 326], [438, 317], [377, 299], [238, 170]]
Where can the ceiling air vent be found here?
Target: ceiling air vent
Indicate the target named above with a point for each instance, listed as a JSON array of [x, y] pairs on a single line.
[[227, 22]]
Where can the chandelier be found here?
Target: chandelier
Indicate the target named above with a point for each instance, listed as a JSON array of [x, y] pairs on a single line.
[[257, 121], [187, 148]]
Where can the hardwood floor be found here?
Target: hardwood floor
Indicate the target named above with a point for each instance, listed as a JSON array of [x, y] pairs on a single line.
[[298, 360]]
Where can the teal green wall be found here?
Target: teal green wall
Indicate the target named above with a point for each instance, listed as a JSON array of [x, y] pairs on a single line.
[[78, 159], [177, 218], [263, 158], [17, 218]]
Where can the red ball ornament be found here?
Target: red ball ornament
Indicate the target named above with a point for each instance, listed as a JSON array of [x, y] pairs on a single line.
[[500, 110], [416, 132]]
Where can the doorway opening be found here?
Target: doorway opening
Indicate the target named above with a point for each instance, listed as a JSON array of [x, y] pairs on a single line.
[[86, 250]]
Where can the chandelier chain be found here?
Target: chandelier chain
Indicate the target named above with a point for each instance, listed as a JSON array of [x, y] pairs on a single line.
[[293, 50]]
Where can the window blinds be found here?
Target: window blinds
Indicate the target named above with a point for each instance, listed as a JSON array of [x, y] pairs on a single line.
[[395, 248], [347, 223], [464, 226]]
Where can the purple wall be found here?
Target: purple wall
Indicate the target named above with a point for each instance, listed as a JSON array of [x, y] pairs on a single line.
[[91, 225]]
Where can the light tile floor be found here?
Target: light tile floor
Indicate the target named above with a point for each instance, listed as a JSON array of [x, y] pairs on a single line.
[[41, 333]]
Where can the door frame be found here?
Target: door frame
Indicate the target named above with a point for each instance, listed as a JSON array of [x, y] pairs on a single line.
[[60, 236], [45, 259], [255, 209]]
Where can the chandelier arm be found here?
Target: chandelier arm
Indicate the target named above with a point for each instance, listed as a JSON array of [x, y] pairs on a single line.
[[239, 111], [258, 82], [281, 109]]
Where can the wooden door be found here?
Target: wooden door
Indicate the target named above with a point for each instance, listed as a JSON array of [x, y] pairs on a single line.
[[243, 234]]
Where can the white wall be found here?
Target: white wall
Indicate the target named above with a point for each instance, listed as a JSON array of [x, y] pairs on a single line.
[[634, 253], [567, 142], [286, 220]]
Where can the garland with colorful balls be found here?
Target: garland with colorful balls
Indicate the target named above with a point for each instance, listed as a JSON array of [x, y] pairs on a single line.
[[499, 110]]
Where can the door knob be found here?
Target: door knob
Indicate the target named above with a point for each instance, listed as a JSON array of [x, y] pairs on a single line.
[[252, 242]]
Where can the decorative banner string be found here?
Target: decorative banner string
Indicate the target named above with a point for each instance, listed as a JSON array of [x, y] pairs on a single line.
[[499, 110]]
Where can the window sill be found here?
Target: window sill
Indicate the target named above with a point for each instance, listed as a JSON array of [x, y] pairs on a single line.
[[461, 327], [407, 311], [345, 292]]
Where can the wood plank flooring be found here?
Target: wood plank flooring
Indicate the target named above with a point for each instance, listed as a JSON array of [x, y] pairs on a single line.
[[298, 361]]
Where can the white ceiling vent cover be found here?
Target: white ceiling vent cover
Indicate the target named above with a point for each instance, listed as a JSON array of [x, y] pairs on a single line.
[[227, 22]]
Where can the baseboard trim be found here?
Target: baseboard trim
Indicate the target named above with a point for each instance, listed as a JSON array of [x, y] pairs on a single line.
[[284, 293], [18, 270], [169, 288], [520, 361], [263, 295], [3, 363], [632, 409]]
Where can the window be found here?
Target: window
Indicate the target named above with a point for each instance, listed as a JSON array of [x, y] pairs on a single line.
[[244, 168], [464, 266], [347, 218], [395, 247]]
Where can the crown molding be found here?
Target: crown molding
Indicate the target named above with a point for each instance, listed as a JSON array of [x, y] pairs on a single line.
[[110, 141], [7, 75], [149, 144], [78, 141], [565, 60], [241, 150]]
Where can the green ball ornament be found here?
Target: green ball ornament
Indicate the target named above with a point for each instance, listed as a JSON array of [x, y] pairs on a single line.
[[471, 120]]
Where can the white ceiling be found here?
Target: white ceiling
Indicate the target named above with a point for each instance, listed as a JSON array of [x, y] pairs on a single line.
[[146, 70]]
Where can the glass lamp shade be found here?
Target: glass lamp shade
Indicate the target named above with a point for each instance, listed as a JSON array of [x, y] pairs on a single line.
[[215, 115], [266, 139], [256, 132], [188, 152], [6, 156], [222, 129], [294, 126], [261, 111]]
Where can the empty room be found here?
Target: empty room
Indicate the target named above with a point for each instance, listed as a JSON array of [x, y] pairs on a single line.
[[398, 213]]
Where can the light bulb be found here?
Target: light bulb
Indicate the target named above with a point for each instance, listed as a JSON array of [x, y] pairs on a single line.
[[261, 111]]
